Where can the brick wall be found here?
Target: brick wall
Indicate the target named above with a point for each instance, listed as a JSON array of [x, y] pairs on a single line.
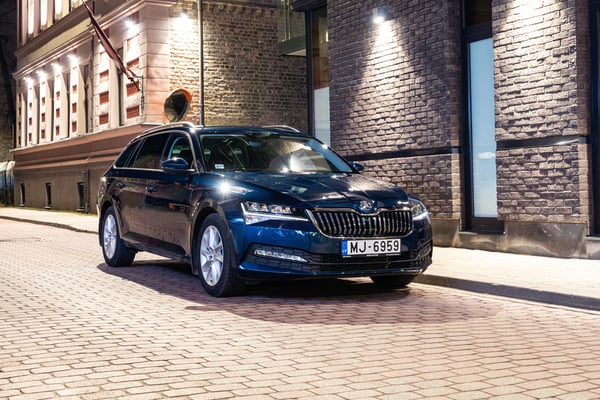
[[246, 81], [435, 192], [396, 95], [542, 99]]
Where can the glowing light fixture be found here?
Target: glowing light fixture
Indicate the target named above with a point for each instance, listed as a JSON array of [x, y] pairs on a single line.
[[73, 60], [185, 23], [41, 75], [57, 68], [380, 15]]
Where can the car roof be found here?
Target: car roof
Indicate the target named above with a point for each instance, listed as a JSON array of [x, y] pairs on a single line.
[[224, 129]]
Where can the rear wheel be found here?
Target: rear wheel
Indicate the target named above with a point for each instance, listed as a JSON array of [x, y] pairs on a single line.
[[214, 257], [115, 253], [394, 281]]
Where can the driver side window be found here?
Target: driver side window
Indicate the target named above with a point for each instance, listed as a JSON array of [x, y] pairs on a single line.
[[179, 147]]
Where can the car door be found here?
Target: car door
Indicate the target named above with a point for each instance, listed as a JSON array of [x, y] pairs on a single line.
[[167, 201], [132, 186], [127, 188]]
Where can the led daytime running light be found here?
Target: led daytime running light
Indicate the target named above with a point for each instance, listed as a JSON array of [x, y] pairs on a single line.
[[279, 255]]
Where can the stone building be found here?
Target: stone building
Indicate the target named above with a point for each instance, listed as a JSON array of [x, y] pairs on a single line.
[[489, 110], [76, 109]]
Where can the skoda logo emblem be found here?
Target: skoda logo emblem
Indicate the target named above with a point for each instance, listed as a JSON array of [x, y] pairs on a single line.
[[364, 205]]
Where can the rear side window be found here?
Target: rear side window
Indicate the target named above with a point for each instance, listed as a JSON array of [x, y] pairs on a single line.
[[126, 157], [150, 153]]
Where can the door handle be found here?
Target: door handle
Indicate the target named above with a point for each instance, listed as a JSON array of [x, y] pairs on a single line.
[[121, 185], [151, 189]]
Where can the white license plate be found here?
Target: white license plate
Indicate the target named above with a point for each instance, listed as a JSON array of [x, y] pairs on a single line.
[[370, 247]]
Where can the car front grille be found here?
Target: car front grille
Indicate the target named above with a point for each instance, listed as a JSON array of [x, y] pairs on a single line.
[[350, 223]]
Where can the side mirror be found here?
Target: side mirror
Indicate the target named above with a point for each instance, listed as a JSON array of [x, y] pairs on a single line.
[[358, 167], [176, 165]]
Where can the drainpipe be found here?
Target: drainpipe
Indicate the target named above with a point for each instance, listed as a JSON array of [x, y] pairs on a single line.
[[200, 63]]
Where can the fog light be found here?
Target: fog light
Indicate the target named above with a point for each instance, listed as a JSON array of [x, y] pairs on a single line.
[[278, 255]]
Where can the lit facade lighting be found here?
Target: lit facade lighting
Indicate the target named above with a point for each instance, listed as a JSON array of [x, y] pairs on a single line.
[[73, 60], [41, 75], [380, 15], [56, 68]]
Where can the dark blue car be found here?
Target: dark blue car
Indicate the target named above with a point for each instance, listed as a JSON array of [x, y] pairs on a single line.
[[243, 205]]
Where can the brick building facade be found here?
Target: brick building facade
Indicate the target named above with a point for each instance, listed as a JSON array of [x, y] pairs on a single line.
[[404, 103]]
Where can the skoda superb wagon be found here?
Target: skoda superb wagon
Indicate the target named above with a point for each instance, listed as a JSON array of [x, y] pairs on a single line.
[[242, 205]]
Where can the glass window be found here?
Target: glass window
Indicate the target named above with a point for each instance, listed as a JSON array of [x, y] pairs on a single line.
[[482, 128], [179, 147], [320, 69], [275, 153], [290, 30], [150, 153], [126, 159]]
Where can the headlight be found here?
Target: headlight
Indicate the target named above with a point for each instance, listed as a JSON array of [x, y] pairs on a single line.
[[418, 209], [255, 212]]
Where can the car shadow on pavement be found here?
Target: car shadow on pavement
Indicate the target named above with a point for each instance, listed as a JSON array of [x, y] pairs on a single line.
[[331, 301]]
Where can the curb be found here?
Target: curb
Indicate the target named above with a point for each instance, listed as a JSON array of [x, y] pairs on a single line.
[[52, 224], [514, 292]]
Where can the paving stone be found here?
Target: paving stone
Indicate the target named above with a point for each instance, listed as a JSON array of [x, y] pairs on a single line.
[[70, 327]]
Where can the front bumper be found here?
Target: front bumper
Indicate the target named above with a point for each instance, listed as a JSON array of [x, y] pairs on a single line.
[[255, 267]]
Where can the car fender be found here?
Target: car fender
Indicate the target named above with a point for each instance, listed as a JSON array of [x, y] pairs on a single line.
[[203, 206]]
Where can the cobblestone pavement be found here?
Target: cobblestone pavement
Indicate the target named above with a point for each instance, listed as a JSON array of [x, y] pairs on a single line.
[[70, 327]]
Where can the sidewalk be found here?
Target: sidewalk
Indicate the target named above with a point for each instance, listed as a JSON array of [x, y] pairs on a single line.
[[566, 282]]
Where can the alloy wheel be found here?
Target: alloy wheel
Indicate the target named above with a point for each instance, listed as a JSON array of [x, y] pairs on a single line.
[[211, 255]]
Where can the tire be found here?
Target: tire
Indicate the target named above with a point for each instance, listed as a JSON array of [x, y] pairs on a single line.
[[114, 250], [214, 256], [394, 281]]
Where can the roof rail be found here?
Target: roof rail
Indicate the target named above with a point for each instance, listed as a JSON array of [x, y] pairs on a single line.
[[169, 125], [283, 127]]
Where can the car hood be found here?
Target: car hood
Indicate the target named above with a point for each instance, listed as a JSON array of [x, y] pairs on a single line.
[[341, 190]]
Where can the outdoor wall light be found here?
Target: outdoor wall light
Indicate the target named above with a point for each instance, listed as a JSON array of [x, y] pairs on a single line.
[[73, 60], [57, 68], [185, 22], [41, 75], [380, 15]]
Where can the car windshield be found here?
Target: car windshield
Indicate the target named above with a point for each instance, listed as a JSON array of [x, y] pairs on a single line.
[[269, 152]]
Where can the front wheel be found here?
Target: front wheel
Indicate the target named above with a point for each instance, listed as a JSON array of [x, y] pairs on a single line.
[[214, 258], [115, 253], [394, 281]]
